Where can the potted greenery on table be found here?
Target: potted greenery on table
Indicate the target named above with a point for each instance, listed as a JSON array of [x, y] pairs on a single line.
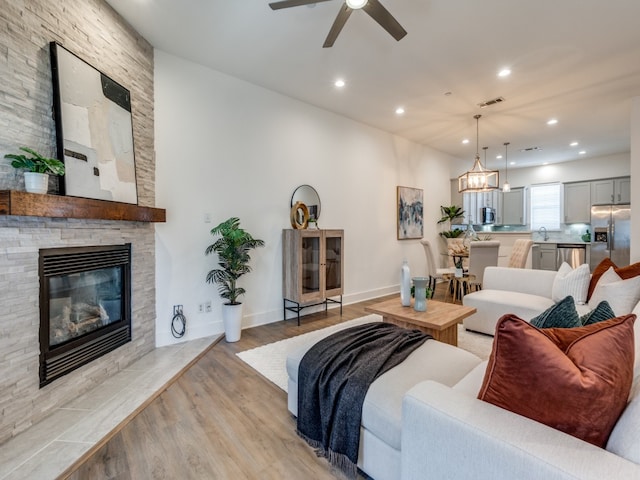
[[232, 245], [37, 169]]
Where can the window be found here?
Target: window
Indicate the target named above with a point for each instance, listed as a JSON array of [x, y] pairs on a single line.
[[545, 206]]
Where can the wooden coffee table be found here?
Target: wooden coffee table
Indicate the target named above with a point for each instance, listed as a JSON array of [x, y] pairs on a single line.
[[440, 320]]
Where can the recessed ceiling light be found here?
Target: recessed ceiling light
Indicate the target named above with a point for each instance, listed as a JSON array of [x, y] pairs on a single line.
[[339, 83], [505, 72], [553, 121], [399, 111], [512, 163], [465, 141], [498, 157], [582, 152], [573, 144]]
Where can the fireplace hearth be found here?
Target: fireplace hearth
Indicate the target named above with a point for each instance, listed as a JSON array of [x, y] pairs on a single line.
[[85, 306]]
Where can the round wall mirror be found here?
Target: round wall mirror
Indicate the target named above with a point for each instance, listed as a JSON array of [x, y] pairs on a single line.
[[307, 194]]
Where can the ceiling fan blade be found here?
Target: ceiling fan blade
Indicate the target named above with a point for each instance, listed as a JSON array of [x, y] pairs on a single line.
[[381, 15], [293, 3], [336, 28]]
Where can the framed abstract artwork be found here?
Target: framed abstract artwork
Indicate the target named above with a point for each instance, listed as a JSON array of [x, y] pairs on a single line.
[[94, 130], [409, 208]]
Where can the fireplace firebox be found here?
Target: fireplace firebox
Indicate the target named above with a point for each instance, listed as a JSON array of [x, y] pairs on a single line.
[[85, 306]]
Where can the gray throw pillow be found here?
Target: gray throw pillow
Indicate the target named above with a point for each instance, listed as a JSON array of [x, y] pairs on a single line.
[[561, 315], [603, 311]]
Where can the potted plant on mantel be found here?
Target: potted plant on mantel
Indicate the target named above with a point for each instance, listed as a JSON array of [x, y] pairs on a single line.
[[232, 246], [38, 168]]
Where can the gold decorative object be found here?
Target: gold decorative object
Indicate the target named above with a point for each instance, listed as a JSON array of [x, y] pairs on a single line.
[[299, 216]]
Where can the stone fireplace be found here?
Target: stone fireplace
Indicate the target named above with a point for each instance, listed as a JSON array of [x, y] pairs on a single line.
[[23, 401], [85, 306], [92, 30]]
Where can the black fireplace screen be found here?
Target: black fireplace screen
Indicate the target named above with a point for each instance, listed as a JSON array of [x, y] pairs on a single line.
[[85, 306]]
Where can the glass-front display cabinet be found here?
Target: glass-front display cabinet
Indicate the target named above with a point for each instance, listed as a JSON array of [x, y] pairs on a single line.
[[313, 267]]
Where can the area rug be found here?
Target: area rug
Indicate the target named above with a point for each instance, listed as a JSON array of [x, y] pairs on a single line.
[[270, 360]]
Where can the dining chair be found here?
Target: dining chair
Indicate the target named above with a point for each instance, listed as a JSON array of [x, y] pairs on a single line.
[[482, 254], [433, 271], [520, 253]]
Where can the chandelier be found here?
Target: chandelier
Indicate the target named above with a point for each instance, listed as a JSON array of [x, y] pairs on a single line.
[[478, 179]]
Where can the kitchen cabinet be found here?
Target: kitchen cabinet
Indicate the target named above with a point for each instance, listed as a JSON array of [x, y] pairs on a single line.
[[577, 202], [312, 267], [498, 207], [472, 203], [511, 208], [622, 190], [470, 207], [544, 256], [611, 190]]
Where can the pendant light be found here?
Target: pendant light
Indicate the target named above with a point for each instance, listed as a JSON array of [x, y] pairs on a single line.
[[478, 179], [506, 187]]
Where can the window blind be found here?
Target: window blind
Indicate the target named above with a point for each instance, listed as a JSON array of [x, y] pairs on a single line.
[[545, 206]]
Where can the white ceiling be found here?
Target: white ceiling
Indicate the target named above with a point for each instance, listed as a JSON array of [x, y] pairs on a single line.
[[574, 60]]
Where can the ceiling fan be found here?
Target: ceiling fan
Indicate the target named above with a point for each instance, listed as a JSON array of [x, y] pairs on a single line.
[[373, 7]]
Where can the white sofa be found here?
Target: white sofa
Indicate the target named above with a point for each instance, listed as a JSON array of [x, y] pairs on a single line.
[[379, 454], [448, 434], [422, 420], [525, 292]]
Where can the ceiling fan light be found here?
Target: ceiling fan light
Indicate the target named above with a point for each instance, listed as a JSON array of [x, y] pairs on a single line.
[[356, 4]]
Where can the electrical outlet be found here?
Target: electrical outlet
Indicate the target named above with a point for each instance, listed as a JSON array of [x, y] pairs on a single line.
[[207, 218], [200, 308], [207, 306]]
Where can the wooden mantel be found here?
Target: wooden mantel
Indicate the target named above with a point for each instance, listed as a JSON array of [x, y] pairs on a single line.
[[13, 202]]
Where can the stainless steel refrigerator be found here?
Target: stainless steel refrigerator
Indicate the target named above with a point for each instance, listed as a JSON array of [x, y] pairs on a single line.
[[611, 225]]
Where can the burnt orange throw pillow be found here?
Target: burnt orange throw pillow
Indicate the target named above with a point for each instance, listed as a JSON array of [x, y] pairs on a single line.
[[625, 273], [576, 380]]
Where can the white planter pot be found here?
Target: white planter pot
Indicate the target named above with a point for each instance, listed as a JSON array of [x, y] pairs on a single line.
[[232, 319], [36, 182]]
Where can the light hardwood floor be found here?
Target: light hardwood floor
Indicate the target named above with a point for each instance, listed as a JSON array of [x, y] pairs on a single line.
[[220, 420]]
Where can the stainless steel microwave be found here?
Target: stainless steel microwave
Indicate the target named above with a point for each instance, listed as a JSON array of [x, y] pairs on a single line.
[[488, 215]]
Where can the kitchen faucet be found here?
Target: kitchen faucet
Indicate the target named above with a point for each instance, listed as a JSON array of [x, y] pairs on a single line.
[[543, 231]]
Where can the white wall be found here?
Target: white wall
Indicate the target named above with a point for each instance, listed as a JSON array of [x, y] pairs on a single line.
[[576, 171], [635, 179], [609, 166], [225, 148]]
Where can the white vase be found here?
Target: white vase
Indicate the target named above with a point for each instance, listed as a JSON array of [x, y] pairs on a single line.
[[36, 182], [232, 319], [405, 284]]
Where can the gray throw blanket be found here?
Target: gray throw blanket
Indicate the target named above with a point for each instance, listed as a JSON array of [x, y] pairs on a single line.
[[333, 379]]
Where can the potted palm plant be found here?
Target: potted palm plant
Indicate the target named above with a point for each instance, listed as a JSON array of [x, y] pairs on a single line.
[[232, 245], [37, 169]]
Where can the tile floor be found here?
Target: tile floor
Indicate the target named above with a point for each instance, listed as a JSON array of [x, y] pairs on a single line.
[[89, 418]]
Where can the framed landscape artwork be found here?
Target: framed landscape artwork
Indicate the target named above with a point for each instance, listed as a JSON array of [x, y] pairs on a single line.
[[409, 208], [94, 130]]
